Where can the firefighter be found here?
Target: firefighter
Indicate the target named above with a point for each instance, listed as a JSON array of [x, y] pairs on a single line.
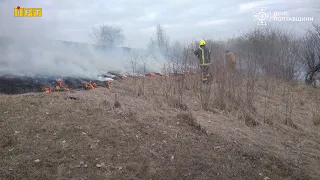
[[204, 55], [231, 72], [230, 62]]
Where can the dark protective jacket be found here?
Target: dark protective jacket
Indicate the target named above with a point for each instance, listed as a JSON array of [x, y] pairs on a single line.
[[204, 55]]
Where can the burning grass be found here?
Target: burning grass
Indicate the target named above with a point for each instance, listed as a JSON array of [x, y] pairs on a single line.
[[20, 85]]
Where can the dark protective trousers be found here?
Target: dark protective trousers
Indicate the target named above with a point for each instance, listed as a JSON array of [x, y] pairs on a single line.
[[205, 72]]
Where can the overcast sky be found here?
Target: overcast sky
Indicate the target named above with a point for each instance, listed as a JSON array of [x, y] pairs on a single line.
[[184, 20]]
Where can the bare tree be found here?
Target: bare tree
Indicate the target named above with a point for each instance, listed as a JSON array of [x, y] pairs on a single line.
[[108, 36], [176, 55], [159, 47], [144, 59], [153, 50], [133, 59], [311, 53], [162, 41], [187, 60], [274, 52]]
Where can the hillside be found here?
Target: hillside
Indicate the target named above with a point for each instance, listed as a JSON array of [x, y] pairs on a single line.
[[138, 130]]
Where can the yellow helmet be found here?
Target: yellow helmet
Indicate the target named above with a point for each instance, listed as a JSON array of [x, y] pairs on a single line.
[[202, 42]]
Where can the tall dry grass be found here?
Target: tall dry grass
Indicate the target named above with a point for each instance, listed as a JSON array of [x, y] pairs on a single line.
[[267, 65]]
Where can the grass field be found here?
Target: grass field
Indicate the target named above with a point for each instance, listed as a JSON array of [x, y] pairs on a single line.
[[121, 133]]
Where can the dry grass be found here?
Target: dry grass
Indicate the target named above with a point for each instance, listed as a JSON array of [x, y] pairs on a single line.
[[121, 134]]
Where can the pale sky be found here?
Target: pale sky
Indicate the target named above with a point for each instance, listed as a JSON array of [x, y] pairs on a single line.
[[184, 20]]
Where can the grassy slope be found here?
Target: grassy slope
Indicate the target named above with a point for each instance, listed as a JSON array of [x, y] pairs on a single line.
[[146, 138]]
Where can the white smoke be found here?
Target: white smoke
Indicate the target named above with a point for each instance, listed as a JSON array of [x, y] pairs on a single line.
[[54, 58], [28, 48]]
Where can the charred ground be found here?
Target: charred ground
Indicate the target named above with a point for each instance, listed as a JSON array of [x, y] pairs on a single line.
[[133, 131], [24, 84]]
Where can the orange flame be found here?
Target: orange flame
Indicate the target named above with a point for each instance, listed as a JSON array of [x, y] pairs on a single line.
[[60, 87], [89, 85], [47, 89], [63, 87]]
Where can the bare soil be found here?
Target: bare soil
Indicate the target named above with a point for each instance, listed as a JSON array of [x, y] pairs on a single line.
[[118, 133]]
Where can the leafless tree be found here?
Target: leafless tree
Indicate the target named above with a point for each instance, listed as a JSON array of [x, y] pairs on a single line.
[[269, 55], [188, 62], [159, 47], [133, 60], [108, 36], [311, 53], [144, 60], [176, 55], [152, 51], [274, 52], [143, 57], [162, 41]]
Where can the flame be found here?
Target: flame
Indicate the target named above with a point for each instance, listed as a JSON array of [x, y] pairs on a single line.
[[89, 85], [47, 89], [60, 87], [63, 87], [60, 82]]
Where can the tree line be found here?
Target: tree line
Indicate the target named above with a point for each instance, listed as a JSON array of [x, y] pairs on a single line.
[[266, 51]]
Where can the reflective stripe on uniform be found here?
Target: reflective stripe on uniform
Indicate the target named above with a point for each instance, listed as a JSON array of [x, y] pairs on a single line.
[[202, 56]]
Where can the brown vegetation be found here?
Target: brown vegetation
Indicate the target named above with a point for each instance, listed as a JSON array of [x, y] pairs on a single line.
[[116, 134], [259, 123]]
